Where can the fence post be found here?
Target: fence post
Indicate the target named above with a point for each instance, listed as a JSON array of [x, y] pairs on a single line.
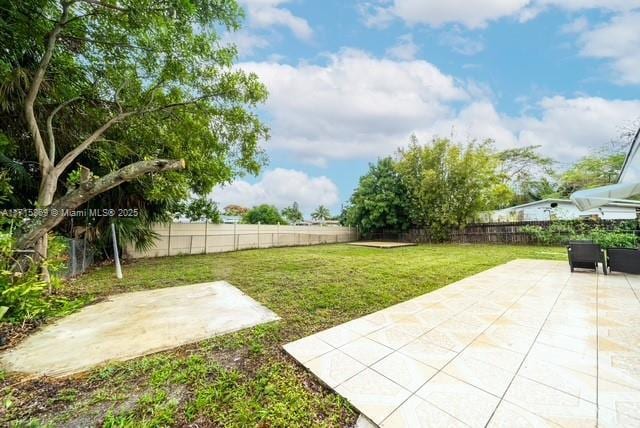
[[278, 235], [169, 240], [116, 257], [235, 246], [84, 251], [191, 245], [206, 233], [74, 267], [258, 234]]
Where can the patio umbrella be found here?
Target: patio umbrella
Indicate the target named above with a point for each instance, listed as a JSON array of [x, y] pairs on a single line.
[[628, 183]]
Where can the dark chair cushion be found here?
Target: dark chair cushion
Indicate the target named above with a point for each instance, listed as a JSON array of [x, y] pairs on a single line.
[[585, 255], [585, 252], [626, 260]]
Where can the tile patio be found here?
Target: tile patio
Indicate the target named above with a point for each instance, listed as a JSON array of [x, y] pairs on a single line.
[[525, 344]]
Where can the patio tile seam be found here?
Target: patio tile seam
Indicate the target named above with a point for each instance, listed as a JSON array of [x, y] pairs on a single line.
[[555, 388], [465, 347], [427, 331], [525, 357], [633, 290]]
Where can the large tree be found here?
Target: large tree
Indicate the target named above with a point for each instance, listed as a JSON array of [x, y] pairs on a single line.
[[136, 86], [448, 184], [380, 201], [527, 173]]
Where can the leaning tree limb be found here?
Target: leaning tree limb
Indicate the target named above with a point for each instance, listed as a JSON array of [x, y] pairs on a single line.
[[87, 190]]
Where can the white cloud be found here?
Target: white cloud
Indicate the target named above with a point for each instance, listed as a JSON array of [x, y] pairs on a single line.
[[357, 106], [405, 49], [280, 187], [269, 13], [578, 25], [565, 128], [461, 43], [574, 5], [437, 13], [246, 41], [375, 15], [354, 106], [570, 127], [617, 40], [476, 14]]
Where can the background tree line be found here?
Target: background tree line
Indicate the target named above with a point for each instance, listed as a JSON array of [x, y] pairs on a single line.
[[444, 185]]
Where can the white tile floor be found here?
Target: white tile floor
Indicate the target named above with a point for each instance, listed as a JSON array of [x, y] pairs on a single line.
[[523, 344]]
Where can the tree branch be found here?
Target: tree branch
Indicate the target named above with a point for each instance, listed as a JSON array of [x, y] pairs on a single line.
[[89, 190], [69, 157], [52, 140], [32, 123]]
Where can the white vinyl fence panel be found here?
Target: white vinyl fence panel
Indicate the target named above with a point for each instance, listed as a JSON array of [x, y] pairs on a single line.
[[200, 238]]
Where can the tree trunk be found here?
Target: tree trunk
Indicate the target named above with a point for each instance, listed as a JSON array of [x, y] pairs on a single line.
[[48, 186], [36, 238]]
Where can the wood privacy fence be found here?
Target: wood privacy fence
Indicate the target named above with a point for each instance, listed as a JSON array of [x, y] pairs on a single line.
[[201, 238], [496, 233]]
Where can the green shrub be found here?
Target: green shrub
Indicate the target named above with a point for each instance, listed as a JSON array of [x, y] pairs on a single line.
[[623, 236], [23, 295], [556, 233], [613, 239]]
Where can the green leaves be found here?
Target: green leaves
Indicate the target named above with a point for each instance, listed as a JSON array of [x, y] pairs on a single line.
[[161, 63], [263, 214], [448, 184], [292, 214], [599, 169], [321, 213], [381, 199]]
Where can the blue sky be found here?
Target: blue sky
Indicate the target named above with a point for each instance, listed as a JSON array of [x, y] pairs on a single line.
[[350, 81]]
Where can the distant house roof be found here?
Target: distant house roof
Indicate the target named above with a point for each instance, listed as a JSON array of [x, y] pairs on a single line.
[[628, 204]]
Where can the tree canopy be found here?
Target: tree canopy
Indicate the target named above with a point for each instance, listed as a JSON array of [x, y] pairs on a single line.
[[380, 200], [448, 184], [263, 214], [199, 209], [109, 85], [292, 213], [527, 173], [321, 213], [598, 169], [235, 210]]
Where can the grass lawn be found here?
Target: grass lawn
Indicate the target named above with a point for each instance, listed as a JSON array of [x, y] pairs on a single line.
[[245, 379]]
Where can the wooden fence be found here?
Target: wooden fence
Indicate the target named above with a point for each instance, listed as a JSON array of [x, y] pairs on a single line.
[[497, 233]]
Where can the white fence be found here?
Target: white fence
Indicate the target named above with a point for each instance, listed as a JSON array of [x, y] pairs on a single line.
[[201, 238]]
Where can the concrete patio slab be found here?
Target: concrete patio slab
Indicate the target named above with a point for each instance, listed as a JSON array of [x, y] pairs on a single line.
[[526, 343], [133, 324], [381, 244]]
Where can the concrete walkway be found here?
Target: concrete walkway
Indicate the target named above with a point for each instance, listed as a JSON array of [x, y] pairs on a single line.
[[525, 344], [134, 324]]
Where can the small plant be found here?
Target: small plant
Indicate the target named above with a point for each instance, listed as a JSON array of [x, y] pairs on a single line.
[[24, 295]]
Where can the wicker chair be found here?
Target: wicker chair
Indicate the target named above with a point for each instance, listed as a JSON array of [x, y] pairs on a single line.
[[586, 255], [626, 260]]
